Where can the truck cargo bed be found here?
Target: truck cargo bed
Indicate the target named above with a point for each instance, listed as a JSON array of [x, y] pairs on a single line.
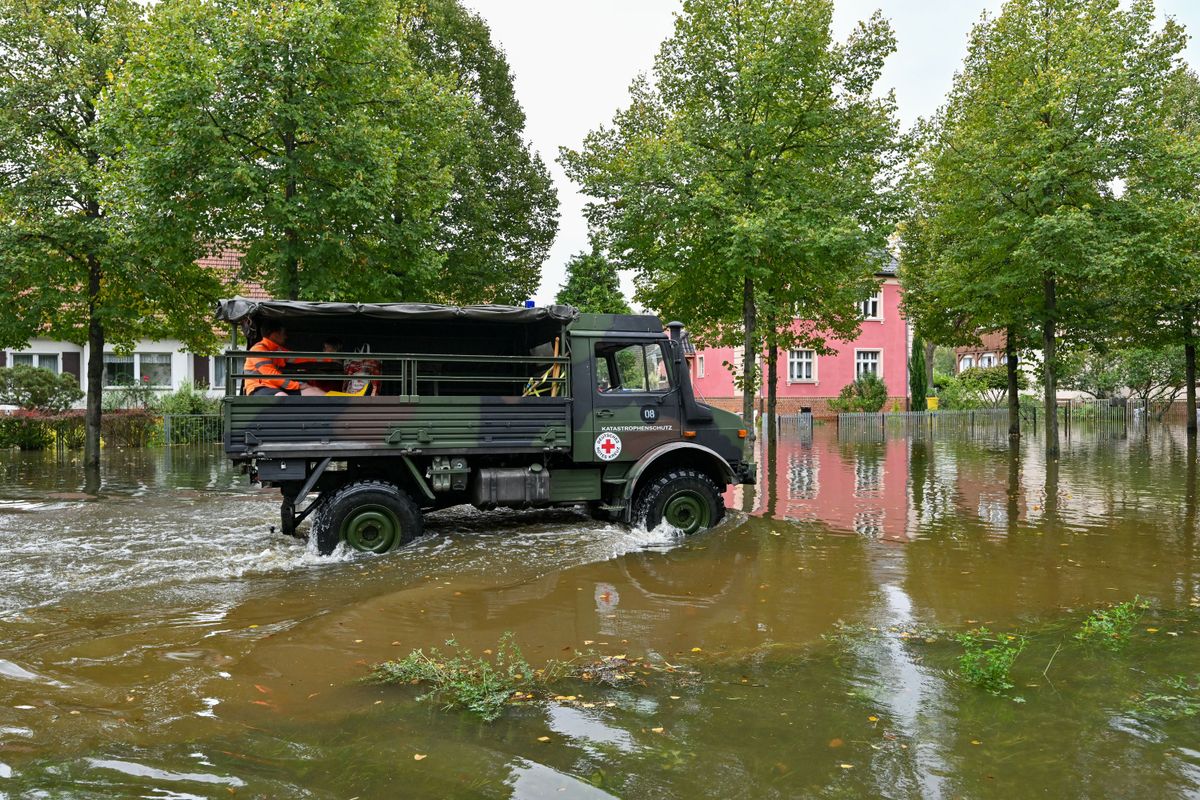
[[324, 426]]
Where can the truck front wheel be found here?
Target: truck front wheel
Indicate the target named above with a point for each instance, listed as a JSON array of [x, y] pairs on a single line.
[[369, 516], [686, 499]]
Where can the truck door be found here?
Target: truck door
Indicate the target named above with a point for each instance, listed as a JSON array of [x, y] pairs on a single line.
[[636, 404]]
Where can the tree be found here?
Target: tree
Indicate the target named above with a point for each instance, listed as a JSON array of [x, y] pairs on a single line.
[[593, 285], [301, 130], [750, 172], [74, 264], [1020, 170], [1162, 215], [917, 388], [990, 384], [502, 214]]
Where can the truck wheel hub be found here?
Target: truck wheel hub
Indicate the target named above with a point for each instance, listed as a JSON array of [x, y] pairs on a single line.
[[687, 511], [371, 529]]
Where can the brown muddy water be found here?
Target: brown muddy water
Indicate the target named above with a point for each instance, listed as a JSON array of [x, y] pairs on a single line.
[[157, 642]]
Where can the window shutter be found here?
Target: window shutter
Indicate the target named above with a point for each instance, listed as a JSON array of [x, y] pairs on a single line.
[[200, 371], [70, 365]]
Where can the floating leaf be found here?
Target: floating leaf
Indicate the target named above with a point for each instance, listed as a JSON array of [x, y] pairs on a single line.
[[543, 738], [419, 756]]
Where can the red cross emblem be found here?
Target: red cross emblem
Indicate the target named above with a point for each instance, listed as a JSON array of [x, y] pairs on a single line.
[[608, 446]]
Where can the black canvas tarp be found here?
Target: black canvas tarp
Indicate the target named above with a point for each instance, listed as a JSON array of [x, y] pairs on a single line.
[[240, 309]]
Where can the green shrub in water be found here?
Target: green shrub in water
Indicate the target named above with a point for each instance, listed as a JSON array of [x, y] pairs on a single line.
[[459, 679], [1174, 698], [1110, 627], [987, 660]]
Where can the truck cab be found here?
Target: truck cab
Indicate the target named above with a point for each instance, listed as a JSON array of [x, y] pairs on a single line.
[[494, 406]]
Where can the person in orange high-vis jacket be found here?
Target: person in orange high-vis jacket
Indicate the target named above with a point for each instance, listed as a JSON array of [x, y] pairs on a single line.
[[268, 367]]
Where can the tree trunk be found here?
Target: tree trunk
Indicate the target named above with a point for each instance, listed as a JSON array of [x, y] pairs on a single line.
[[1189, 356], [1050, 397], [1014, 399], [772, 378], [748, 352], [95, 369]]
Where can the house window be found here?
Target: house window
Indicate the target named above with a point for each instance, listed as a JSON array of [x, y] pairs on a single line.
[[987, 360], [872, 307], [155, 368], [699, 366], [967, 362], [40, 360], [118, 370], [218, 372], [801, 366], [867, 361]]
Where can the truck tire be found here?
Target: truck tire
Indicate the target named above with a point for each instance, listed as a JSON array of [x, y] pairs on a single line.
[[687, 499], [370, 516]]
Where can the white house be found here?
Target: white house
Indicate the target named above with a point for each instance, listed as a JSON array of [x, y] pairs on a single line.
[[165, 364]]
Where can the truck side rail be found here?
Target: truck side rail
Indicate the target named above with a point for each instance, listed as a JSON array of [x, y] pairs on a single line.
[[548, 375]]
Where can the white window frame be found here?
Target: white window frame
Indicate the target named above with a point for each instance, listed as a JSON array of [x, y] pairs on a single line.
[[699, 365], [987, 360], [37, 356], [966, 362], [812, 365], [875, 299], [878, 351], [138, 372]]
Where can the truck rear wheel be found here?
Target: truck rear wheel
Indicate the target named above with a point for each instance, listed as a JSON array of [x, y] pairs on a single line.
[[686, 499], [369, 516]]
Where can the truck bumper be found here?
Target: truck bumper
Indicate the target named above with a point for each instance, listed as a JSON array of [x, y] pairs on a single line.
[[745, 472]]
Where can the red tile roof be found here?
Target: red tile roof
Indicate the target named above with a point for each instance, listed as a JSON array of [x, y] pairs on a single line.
[[228, 261]]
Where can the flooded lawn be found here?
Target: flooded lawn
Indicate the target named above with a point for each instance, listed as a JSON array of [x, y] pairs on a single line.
[[157, 641]]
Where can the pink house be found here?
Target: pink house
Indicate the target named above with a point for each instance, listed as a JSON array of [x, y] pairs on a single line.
[[808, 380]]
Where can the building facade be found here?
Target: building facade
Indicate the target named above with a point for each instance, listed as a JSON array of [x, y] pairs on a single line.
[[164, 364], [809, 380]]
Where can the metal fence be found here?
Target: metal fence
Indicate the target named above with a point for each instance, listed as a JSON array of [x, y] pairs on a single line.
[[792, 423], [1119, 416], [966, 423], [192, 429]]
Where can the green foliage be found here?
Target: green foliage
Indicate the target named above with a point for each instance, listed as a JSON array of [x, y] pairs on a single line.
[[868, 392], [1016, 224], [502, 213], [1175, 698], [989, 384], [26, 430], [987, 660], [1152, 374], [459, 679], [187, 400], [751, 170], [36, 389], [302, 129], [83, 262], [917, 390], [35, 430], [136, 394], [592, 285], [1110, 627]]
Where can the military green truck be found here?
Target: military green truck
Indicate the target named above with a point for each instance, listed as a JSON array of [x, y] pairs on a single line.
[[494, 406]]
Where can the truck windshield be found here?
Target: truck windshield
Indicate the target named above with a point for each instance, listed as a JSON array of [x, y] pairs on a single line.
[[631, 368]]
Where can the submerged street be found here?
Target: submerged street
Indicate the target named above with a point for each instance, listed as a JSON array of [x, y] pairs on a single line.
[[157, 641]]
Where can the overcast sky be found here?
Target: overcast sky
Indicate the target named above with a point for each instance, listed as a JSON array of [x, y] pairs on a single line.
[[573, 60]]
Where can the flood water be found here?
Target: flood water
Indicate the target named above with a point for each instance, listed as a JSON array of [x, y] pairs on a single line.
[[157, 641]]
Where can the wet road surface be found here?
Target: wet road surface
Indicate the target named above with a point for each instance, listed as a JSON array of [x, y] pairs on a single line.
[[156, 641]]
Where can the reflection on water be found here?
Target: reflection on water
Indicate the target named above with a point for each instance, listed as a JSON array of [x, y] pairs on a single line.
[[156, 640]]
